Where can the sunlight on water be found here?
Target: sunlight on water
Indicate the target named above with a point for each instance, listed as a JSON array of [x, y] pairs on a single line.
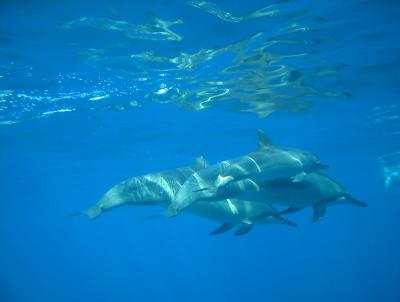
[[68, 92], [272, 10], [280, 67], [258, 80], [253, 77], [157, 30]]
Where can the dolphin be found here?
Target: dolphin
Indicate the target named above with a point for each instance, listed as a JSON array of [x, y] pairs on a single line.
[[234, 212], [316, 190], [267, 163], [152, 188]]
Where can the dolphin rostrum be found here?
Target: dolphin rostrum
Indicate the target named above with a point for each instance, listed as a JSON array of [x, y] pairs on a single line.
[[267, 163]]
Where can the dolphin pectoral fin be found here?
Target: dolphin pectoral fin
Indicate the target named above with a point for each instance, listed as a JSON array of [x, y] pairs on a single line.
[[92, 212], [225, 227], [354, 201], [319, 211], [299, 177], [276, 216], [263, 140], [243, 229], [199, 163], [285, 221], [170, 212], [221, 181], [289, 210]]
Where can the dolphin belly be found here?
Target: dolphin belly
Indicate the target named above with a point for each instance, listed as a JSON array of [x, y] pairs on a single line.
[[235, 211], [222, 211]]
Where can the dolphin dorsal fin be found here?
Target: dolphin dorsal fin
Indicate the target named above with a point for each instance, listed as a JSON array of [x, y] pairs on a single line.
[[199, 163], [263, 140]]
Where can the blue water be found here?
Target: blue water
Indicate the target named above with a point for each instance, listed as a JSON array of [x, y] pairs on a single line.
[[94, 92]]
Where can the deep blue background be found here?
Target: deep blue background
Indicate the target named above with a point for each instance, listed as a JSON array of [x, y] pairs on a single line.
[[51, 167]]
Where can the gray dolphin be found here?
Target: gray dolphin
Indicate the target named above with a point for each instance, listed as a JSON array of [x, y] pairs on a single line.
[[267, 163], [160, 189], [152, 188], [234, 212], [316, 190]]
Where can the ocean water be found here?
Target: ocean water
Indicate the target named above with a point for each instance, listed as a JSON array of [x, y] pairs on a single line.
[[94, 92]]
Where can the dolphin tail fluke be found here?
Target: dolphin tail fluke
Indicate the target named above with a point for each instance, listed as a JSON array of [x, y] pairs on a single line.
[[225, 227], [243, 229], [354, 201], [92, 212]]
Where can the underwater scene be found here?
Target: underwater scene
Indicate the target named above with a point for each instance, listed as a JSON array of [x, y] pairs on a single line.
[[191, 150]]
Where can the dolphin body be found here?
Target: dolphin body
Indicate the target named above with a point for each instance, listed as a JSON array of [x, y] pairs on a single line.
[[160, 189], [152, 188], [234, 212], [267, 163], [316, 190]]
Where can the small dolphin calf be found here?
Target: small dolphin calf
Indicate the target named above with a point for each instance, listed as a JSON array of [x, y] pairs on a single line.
[[267, 163], [234, 212], [316, 190]]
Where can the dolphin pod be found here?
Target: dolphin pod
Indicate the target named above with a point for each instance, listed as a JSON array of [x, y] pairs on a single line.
[[160, 189], [242, 192], [267, 163]]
